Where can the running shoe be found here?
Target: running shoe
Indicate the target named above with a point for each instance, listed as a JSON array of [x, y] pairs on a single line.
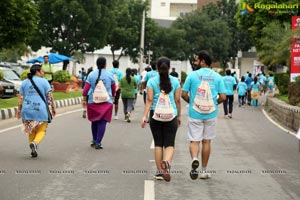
[[158, 176], [204, 175], [194, 173], [33, 148], [166, 170], [98, 146]]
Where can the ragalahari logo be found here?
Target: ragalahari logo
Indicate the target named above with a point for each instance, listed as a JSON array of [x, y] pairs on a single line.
[[246, 8]]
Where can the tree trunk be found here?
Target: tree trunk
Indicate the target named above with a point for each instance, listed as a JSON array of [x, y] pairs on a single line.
[[65, 64]]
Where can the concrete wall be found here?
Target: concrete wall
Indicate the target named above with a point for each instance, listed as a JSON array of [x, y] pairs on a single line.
[[285, 114]]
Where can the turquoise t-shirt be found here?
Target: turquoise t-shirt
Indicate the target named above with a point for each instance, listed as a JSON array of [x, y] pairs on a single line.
[[138, 81], [242, 87], [150, 75], [33, 107], [271, 81], [229, 82], [117, 72], [192, 83], [255, 86], [154, 84], [107, 79]]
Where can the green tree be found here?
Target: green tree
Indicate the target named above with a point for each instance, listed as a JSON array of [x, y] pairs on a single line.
[[125, 33], [204, 32], [18, 20], [69, 26]]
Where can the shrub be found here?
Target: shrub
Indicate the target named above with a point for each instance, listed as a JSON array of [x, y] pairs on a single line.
[[24, 74], [294, 92], [61, 76], [183, 76], [1, 75], [282, 81]]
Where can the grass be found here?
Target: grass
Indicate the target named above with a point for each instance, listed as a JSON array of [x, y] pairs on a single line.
[[12, 102], [282, 98]]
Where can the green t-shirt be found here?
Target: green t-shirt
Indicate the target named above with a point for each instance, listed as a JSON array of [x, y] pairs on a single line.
[[47, 67], [127, 90]]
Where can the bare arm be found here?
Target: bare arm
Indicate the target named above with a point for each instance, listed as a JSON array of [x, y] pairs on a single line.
[[178, 105], [149, 102], [222, 97], [185, 96]]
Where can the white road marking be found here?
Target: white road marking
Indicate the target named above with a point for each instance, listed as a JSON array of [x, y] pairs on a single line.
[[276, 124], [59, 115], [149, 190], [152, 144]]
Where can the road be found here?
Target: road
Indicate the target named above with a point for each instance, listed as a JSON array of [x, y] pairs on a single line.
[[251, 158]]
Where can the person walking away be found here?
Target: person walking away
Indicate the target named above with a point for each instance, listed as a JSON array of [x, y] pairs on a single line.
[[99, 113], [48, 70], [117, 74], [174, 73], [229, 82], [143, 82], [128, 86], [33, 108], [202, 126], [89, 93], [241, 90], [83, 76], [255, 91], [137, 78], [248, 81], [271, 83], [163, 132]]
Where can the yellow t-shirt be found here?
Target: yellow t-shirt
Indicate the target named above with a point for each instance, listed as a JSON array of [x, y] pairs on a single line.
[[47, 67]]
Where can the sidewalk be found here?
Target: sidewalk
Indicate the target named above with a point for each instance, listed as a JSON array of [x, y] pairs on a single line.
[[11, 112]]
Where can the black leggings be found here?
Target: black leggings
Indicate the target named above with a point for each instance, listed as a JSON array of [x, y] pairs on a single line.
[[163, 132]]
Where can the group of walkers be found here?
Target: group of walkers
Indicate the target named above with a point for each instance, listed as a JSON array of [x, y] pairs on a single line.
[[203, 90], [248, 89]]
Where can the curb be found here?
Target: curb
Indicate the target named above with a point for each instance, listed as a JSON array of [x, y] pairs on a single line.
[[8, 113]]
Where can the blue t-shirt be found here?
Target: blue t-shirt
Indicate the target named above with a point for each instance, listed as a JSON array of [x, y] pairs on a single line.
[[107, 79], [255, 86], [33, 107], [117, 72], [154, 84], [138, 81], [229, 82], [192, 83], [150, 75], [242, 87], [271, 80], [248, 82]]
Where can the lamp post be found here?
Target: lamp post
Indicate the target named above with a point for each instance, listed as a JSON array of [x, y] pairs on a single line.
[[142, 41]]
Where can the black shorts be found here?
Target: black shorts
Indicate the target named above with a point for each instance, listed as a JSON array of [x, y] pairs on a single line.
[[163, 133], [117, 97]]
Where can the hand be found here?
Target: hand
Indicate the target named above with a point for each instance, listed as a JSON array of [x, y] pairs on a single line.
[[18, 115], [84, 105], [179, 121], [53, 112], [144, 122]]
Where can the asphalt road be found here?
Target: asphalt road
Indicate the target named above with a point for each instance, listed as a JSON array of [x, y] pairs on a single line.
[[251, 158]]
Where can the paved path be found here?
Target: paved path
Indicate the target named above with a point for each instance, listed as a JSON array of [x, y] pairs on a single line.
[[251, 159]]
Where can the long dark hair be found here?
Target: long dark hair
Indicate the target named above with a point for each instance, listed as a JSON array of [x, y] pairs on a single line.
[[163, 66], [101, 62], [33, 70], [255, 79], [128, 75]]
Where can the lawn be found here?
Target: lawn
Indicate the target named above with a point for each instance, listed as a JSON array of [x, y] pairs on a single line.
[[12, 102]]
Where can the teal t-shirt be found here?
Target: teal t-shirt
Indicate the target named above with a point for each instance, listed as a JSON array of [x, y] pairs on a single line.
[[192, 83], [150, 75], [153, 83], [33, 107], [255, 86], [229, 82], [242, 87], [117, 72], [138, 81]]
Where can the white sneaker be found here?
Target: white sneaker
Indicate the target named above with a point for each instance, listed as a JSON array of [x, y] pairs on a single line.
[[230, 115], [116, 117], [204, 175], [226, 117]]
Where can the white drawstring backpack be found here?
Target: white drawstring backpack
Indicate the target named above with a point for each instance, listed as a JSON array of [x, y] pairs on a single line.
[[203, 101], [163, 110]]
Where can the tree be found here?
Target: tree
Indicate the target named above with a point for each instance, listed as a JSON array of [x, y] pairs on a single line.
[[203, 32], [17, 22], [125, 34], [69, 26]]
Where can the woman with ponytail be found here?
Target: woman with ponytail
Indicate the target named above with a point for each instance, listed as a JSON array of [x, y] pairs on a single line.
[[163, 132], [128, 86], [255, 88], [33, 109]]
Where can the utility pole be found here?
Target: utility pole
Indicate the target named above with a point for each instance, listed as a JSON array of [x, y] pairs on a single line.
[[142, 43]]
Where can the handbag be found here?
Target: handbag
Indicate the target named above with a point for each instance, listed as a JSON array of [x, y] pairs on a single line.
[[47, 107]]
